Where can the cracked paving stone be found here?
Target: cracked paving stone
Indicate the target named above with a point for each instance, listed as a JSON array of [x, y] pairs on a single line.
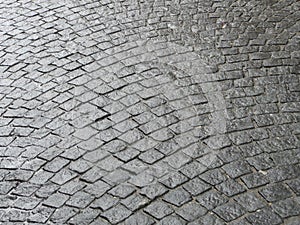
[[116, 214], [158, 209]]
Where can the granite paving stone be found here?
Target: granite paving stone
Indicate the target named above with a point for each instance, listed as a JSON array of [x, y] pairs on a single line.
[[149, 112]]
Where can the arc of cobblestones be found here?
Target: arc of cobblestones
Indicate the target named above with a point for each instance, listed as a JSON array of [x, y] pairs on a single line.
[[192, 68], [149, 112]]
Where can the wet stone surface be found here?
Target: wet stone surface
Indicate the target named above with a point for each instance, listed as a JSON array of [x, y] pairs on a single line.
[[149, 112]]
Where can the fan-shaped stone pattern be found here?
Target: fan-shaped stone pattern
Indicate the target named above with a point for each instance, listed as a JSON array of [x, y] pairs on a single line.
[[144, 112]]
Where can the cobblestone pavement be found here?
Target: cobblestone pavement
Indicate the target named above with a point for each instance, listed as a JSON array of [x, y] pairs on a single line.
[[149, 112]]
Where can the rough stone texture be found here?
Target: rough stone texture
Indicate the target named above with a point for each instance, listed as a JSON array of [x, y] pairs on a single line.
[[149, 112]]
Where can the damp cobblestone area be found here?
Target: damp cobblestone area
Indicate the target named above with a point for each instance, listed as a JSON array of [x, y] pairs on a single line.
[[149, 112]]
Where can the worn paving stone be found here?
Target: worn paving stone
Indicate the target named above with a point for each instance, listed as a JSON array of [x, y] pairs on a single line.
[[275, 192], [211, 199], [174, 179], [105, 202], [122, 190], [250, 201], [231, 187], [84, 217], [80, 200], [208, 219], [116, 214], [158, 209], [191, 211], [265, 215], [153, 190], [287, 208], [229, 211], [57, 200], [196, 186], [63, 214], [111, 110], [172, 219], [254, 180], [177, 197], [139, 218]]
